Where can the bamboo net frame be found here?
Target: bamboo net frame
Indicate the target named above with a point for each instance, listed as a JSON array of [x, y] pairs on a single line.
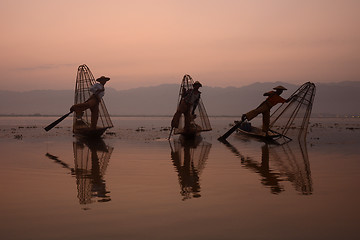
[[292, 119]]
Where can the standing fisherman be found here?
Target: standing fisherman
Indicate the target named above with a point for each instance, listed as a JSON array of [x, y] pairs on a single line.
[[188, 103], [98, 91], [264, 108]]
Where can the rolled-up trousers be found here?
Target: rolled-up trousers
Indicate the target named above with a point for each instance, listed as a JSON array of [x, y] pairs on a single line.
[[263, 108], [93, 104]]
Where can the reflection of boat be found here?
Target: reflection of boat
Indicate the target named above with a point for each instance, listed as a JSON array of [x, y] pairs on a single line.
[[199, 121], [91, 160], [84, 80], [289, 162], [189, 158]]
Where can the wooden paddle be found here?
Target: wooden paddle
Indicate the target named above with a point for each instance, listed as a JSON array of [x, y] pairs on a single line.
[[56, 122], [231, 130]]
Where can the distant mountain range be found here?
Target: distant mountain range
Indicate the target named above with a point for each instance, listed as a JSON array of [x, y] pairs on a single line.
[[331, 99]]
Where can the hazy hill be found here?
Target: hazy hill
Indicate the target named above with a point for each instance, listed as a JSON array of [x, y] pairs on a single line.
[[331, 98]]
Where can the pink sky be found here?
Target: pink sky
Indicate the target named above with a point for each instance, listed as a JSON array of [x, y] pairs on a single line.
[[145, 43]]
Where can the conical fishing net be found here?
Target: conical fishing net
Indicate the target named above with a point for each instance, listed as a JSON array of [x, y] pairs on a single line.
[[292, 119], [84, 81]]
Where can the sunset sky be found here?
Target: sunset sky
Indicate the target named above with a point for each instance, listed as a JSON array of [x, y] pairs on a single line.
[[146, 43]]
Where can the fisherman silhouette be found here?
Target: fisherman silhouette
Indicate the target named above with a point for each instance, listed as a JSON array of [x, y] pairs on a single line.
[[98, 91], [189, 100], [273, 98]]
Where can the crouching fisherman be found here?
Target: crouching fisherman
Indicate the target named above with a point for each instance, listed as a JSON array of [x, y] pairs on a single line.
[[98, 91], [189, 100]]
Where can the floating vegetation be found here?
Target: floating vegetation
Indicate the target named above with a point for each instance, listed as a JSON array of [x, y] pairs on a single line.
[[18, 136], [140, 129], [111, 133], [165, 129], [352, 128]]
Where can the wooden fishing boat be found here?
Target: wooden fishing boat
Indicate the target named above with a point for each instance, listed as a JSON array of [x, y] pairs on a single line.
[[200, 121], [251, 131], [82, 129], [81, 126]]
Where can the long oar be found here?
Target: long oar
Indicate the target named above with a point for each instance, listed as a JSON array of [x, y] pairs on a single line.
[[231, 130], [56, 122]]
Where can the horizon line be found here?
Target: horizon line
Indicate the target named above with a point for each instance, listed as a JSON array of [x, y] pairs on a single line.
[[162, 84]]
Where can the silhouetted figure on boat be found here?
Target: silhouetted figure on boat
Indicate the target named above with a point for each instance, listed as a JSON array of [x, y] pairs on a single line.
[[190, 118], [98, 91], [189, 100], [273, 98]]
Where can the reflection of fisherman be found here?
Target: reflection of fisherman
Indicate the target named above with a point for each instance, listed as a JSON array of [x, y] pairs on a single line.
[[91, 158], [98, 91], [264, 108], [268, 177], [188, 174], [89, 177], [98, 187], [188, 103]]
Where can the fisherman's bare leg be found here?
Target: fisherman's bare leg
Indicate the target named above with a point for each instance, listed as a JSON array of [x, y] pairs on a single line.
[[91, 103], [176, 118], [266, 121], [94, 116], [187, 115], [260, 109], [80, 108]]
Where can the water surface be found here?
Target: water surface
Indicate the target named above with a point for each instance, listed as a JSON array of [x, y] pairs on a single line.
[[134, 184]]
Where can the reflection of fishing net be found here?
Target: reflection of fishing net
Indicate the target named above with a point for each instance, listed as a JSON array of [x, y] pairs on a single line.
[[200, 121], [293, 163], [91, 160], [292, 119], [189, 160], [84, 80], [279, 164]]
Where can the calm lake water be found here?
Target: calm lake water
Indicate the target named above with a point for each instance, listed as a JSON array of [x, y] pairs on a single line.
[[135, 184]]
